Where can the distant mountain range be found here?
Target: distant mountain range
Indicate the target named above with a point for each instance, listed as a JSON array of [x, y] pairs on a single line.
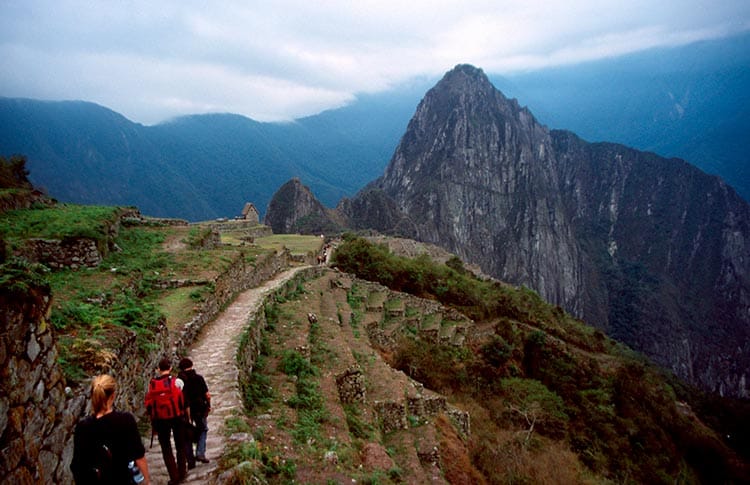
[[195, 167], [692, 102]]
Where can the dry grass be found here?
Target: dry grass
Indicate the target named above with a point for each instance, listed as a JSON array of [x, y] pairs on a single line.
[[506, 456], [454, 455]]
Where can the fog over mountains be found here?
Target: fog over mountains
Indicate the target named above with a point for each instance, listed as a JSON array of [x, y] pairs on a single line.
[[691, 102]]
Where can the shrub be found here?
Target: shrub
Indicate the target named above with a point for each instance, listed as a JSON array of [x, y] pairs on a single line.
[[19, 276], [496, 352], [357, 427], [294, 364]]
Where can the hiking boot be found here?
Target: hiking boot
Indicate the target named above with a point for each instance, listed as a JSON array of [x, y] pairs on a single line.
[[202, 459]]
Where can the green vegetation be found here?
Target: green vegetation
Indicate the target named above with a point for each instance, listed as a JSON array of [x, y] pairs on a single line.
[[544, 381], [294, 364], [19, 277], [548, 395], [308, 400], [94, 308], [59, 222], [256, 390], [358, 427], [478, 299], [197, 235], [13, 173], [254, 463]]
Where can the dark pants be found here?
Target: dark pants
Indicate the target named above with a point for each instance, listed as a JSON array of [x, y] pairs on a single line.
[[189, 436], [164, 429]]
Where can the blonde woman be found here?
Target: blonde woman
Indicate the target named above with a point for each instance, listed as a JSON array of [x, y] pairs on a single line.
[[107, 446]]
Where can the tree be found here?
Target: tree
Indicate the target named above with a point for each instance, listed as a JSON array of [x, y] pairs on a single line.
[[13, 173]]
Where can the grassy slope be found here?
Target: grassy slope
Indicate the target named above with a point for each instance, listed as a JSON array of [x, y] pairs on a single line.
[[598, 412], [125, 292]]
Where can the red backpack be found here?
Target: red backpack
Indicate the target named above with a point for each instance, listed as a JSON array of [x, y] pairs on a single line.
[[164, 399]]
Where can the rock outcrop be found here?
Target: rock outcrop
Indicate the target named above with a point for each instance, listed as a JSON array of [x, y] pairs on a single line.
[[294, 209]]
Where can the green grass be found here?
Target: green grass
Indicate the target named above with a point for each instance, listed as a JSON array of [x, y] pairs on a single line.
[[358, 427], [196, 236], [393, 304], [297, 244], [59, 222], [124, 292], [88, 305], [177, 305]]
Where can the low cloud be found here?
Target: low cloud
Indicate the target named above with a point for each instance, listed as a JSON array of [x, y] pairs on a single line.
[[280, 60]]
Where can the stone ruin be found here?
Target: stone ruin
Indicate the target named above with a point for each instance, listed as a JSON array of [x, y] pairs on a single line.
[[351, 385], [250, 213], [392, 415]]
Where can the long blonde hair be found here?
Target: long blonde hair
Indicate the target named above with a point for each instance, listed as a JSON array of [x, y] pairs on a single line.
[[102, 388]]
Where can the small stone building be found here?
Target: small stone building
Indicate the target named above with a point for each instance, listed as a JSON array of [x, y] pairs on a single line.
[[250, 213]]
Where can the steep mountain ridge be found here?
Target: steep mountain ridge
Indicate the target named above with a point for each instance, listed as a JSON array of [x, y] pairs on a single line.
[[472, 160], [651, 249]]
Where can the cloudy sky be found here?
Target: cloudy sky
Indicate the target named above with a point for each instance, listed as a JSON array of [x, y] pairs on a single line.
[[281, 59]]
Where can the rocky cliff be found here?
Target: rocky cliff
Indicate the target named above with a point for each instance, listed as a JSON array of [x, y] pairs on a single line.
[[294, 209], [650, 249]]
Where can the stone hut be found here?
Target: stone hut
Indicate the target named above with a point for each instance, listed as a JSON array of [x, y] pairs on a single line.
[[250, 213]]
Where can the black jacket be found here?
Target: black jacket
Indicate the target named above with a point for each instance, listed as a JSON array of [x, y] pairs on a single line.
[[195, 390]]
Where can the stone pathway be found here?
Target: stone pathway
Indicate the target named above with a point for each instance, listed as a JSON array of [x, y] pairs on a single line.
[[213, 355]]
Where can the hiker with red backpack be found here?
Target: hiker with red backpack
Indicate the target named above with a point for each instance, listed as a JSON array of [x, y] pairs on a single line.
[[166, 407]]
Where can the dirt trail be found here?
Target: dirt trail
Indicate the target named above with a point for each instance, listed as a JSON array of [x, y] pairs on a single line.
[[213, 355]]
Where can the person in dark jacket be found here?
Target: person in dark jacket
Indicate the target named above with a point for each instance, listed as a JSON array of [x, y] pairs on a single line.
[[198, 400], [106, 441]]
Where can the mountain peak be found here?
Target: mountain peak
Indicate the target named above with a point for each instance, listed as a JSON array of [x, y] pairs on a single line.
[[294, 208], [465, 77], [467, 70]]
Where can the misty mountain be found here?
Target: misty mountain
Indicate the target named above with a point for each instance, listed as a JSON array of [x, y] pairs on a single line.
[[651, 250], [197, 167], [690, 102]]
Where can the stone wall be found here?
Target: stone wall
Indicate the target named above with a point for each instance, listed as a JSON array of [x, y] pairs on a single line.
[[71, 253], [133, 217], [76, 252], [253, 229], [351, 385], [391, 415], [38, 413], [15, 199], [205, 239], [240, 276], [32, 400]]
